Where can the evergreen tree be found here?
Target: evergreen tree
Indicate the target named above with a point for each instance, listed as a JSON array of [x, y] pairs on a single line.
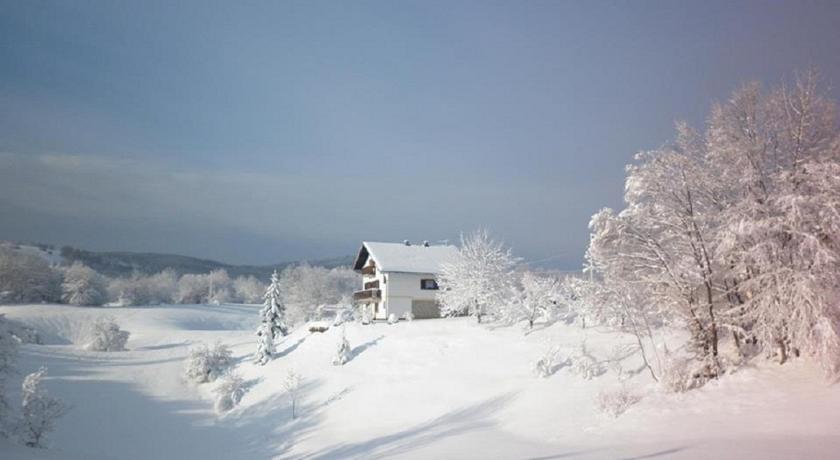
[[273, 321]]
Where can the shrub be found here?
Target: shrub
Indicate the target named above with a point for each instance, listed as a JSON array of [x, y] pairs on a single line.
[[342, 355], [230, 391], [105, 335], [392, 319], [206, 364], [550, 362], [616, 402]]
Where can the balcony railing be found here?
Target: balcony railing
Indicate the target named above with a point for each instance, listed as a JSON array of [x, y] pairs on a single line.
[[368, 295], [369, 270], [372, 284]]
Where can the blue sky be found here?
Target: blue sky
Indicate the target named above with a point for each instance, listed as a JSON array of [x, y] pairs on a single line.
[[255, 132]]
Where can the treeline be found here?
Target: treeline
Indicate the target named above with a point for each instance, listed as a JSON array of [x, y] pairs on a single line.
[[26, 278]]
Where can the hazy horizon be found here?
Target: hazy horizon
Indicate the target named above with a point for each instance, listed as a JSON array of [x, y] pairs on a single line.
[[266, 132]]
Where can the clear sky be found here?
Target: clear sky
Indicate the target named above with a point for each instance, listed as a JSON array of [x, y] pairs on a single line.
[[255, 132]]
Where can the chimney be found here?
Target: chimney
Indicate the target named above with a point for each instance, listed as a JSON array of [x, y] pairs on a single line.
[[407, 243], [425, 243]]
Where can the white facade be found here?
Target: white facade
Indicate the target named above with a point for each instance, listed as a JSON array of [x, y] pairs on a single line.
[[399, 278]]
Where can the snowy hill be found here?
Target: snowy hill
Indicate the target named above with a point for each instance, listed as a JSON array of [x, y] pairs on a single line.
[[422, 389]]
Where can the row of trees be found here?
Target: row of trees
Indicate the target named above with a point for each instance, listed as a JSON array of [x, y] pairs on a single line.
[[734, 233], [731, 234]]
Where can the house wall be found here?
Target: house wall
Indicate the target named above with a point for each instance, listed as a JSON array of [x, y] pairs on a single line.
[[402, 289]]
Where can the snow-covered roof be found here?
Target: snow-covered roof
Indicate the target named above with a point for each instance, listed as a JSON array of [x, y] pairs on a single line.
[[399, 257]]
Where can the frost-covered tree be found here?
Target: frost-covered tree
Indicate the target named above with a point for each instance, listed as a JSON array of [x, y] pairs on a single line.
[[39, 410], [106, 335], [209, 288], [27, 278], [272, 321], [540, 298], [343, 353], [205, 364], [734, 231], [479, 281], [306, 290], [248, 289], [83, 286], [140, 289]]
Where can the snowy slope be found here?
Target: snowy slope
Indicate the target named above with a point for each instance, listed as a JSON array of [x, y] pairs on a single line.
[[425, 389]]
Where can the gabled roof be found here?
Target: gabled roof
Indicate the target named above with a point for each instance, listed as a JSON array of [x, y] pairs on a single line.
[[398, 257]]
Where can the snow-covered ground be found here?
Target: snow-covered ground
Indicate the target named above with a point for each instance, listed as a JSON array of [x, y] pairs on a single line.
[[422, 389]]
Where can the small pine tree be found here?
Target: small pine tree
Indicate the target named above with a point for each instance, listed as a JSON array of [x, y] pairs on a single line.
[[40, 410], [273, 321], [342, 355]]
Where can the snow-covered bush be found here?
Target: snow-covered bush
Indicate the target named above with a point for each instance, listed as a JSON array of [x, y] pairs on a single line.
[[408, 316], [27, 278], [343, 354], [229, 392], [478, 282], [392, 318], [550, 362], [292, 386], [205, 364], [106, 335], [616, 402], [585, 365], [83, 286], [39, 410], [248, 289]]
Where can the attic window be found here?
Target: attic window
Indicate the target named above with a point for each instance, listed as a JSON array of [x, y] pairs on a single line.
[[428, 284]]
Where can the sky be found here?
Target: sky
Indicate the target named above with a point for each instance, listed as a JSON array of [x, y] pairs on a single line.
[[259, 132]]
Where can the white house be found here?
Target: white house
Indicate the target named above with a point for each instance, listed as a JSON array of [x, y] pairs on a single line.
[[400, 277]]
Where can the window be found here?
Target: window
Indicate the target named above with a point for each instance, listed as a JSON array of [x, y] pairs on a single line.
[[428, 284]]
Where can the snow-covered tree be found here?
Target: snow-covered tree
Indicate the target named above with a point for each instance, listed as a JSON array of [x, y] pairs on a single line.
[[540, 298], [40, 410], [479, 281], [140, 289], [106, 335], [83, 286], [205, 364], [272, 321], [248, 289], [343, 354], [27, 278], [306, 290], [291, 383]]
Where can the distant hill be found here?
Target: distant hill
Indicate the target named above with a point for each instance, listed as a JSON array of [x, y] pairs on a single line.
[[123, 263]]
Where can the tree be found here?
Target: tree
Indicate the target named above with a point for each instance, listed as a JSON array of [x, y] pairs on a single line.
[[27, 278], [343, 354], [540, 298], [83, 286], [307, 290], [292, 385], [248, 289], [40, 410], [479, 281], [272, 321]]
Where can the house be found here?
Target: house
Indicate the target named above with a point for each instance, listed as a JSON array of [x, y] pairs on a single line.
[[398, 278]]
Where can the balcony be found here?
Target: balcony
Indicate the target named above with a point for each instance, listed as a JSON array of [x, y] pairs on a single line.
[[367, 296], [369, 270]]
